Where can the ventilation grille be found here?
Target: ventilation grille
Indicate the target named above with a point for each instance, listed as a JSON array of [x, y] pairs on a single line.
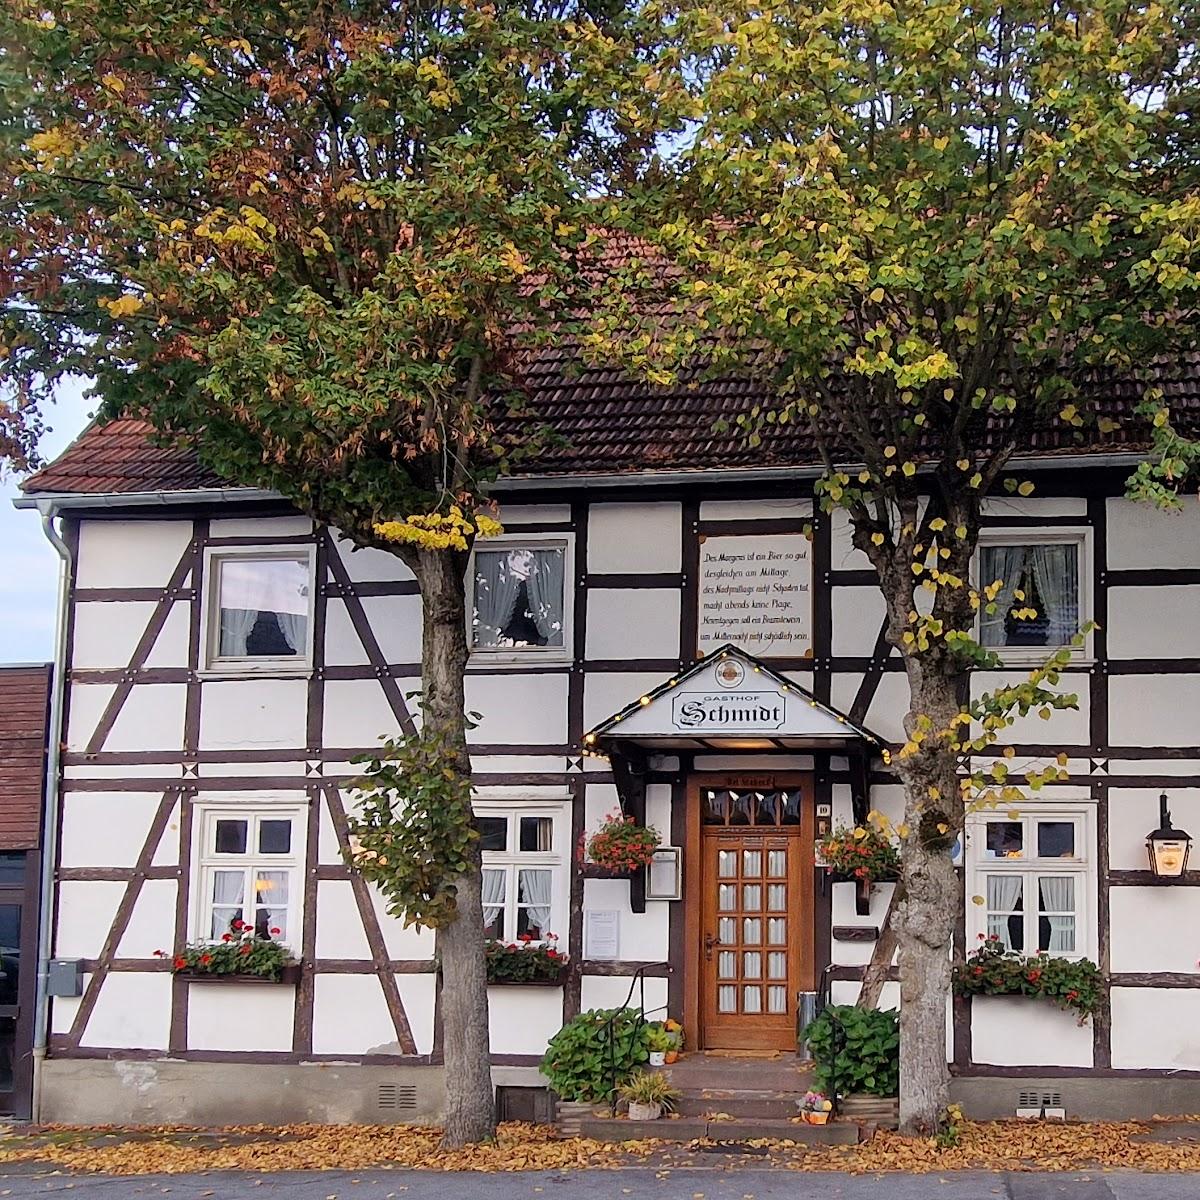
[[1039, 1100], [394, 1097]]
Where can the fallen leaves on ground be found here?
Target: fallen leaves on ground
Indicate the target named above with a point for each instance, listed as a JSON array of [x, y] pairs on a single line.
[[993, 1145]]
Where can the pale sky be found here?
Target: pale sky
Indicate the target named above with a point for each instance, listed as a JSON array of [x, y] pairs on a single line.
[[28, 563]]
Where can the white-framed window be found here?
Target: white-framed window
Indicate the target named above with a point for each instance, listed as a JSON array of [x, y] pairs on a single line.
[[526, 854], [1046, 593], [258, 608], [1031, 878], [249, 868], [520, 601]]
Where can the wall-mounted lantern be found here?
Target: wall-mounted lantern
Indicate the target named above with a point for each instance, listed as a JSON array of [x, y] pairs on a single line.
[[1167, 846]]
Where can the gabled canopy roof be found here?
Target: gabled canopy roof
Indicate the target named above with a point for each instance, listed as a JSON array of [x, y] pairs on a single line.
[[729, 700]]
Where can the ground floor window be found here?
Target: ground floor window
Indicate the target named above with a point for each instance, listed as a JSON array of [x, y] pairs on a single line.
[[525, 860], [250, 865], [1031, 879]]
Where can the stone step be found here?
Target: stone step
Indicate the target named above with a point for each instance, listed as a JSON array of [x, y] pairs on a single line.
[[690, 1129], [702, 1073], [777, 1105]]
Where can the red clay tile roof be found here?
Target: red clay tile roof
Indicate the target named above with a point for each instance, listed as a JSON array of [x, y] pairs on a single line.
[[609, 423]]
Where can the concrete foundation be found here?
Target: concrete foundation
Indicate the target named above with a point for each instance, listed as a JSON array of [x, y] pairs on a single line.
[[1087, 1098], [171, 1091]]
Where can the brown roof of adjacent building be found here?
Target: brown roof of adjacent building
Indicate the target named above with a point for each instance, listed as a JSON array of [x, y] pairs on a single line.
[[24, 708], [605, 422]]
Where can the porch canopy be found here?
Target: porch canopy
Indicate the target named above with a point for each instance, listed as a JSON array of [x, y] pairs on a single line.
[[729, 701]]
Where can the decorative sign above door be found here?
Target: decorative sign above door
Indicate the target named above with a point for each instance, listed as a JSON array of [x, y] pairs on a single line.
[[756, 592]]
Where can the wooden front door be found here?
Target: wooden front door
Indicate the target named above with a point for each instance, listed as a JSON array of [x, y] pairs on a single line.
[[755, 927]]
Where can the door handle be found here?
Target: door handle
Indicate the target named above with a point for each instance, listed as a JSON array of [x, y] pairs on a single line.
[[710, 940]]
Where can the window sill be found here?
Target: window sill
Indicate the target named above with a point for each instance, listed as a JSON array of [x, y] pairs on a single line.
[[271, 671], [289, 976], [517, 658], [1018, 656]]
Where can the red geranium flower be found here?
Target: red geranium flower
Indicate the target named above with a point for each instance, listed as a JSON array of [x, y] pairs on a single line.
[[180, 963], [275, 931], [160, 954], [227, 937], [237, 923], [244, 950], [205, 959]]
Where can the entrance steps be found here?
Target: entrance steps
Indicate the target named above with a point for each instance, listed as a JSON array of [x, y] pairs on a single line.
[[727, 1099]]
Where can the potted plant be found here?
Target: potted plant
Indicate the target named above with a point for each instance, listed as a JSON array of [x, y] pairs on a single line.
[[856, 1060], [660, 1040], [675, 1033], [648, 1095], [525, 961], [863, 855], [241, 955], [815, 1108], [619, 847]]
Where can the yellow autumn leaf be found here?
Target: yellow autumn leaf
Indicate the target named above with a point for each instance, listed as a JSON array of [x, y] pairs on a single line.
[[114, 83], [909, 469], [1025, 489], [877, 539]]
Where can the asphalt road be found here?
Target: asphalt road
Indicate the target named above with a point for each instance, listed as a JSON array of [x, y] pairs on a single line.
[[675, 1184]]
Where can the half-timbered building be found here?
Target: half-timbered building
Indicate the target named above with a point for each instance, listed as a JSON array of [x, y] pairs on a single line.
[[668, 624]]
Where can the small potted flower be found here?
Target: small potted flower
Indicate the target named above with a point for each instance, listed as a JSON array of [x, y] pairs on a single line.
[[619, 847], [648, 1095], [675, 1032], [660, 1041], [815, 1108]]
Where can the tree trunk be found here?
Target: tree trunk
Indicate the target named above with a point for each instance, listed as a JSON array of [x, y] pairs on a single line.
[[470, 1103], [929, 901]]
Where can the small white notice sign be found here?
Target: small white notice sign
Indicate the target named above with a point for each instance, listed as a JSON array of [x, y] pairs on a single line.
[[601, 930], [756, 591]]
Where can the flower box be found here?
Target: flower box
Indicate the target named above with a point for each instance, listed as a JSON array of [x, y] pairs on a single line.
[[290, 974], [591, 870], [557, 981]]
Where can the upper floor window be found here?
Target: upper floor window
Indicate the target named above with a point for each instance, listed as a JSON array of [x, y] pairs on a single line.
[[520, 599], [525, 859], [1034, 872], [259, 608], [1044, 598], [251, 860]]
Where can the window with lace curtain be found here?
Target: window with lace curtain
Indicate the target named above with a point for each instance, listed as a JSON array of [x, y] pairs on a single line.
[[520, 601], [525, 856], [251, 861], [1031, 880], [259, 608], [1043, 600]]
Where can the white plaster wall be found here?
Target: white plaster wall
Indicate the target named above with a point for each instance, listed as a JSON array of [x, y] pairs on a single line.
[[755, 510], [260, 527], [599, 799], [350, 1016], [85, 915], [658, 809], [624, 623], [129, 554], [357, 713], [857, 613], [611, 991], [1019, 1031], [1154, 622], [519, 709], [340, 932], [1133, 813], [152, 922], [343, 646], [885, 716], [396, 623], [167, 854], [150, 719], [1034, 506], [106, 632], [1066, 727], [607, 692], [401, 942], [1140, 535], [419, 993], [634, 537], [521, 1020], [250, 1016], [105, 829], [515, 513], [253, 713], [1154, 929], [844, 555], [64, 1008], [369, 564], [845, 991], [170, 648], [327, 843], [133, 1011], [1156, 1028], [1153, 710], [845, 913]]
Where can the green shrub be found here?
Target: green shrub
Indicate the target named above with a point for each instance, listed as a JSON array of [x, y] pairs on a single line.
[[577, 1059], [869, 1061]]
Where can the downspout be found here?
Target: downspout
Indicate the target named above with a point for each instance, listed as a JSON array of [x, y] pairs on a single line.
[[50, 807]]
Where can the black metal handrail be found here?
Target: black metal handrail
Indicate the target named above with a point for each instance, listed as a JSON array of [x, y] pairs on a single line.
[[638, 983]]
